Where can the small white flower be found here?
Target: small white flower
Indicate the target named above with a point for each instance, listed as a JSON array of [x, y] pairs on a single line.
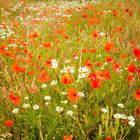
[[104, 110], [101, 33], [83, 72], [54, 82], [131, 118], [36, 107], [67, 61], [54, 63], [121, 105], [26, 98], [81, 75], [68, 69], [76, 57], [107, 11], [25, 106], [69, 112], [106, 63], [74, 106], [124, 116], [59, 109], [64, 93], [64, 102], [67, 16], [44, 86], [46, 103], [62, 71], [131, 123], [47, 98], [118, 116], [81, 94], [15, 110]]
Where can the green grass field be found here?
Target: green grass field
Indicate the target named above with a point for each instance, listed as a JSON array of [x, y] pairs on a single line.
[[70, 70]]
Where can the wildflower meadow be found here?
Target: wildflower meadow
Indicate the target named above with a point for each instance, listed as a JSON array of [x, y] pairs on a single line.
[[69, 70]]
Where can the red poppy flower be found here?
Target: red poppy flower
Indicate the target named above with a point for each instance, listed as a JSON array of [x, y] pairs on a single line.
[[95, 34], [109, 46], [139, 72], [130, 13], [136, 52], [67, 137], [92, 21], [106, 74], [66, 80], [43, 77], [84, 15], [48, 63], [16, 68], [118, 29], [93, 50], [2, 47], [97, 76], [130, 78], [137, 111], [133, 43], [30, 72], [132, 68], [47, 44], [126, 10], [108, 138], [84, 50], [88, 64], [98, 64], [137, 95], [96, 83], [116, 67], [16, 99], [124, 56], [108, 59], [114, 13], [8, 123], [92, 76], [72, 95], [34, 35]]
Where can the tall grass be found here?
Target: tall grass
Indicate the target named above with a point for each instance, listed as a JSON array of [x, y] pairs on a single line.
[[70, 70]]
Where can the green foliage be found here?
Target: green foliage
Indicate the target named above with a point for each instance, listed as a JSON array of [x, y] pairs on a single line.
[[45, 89]]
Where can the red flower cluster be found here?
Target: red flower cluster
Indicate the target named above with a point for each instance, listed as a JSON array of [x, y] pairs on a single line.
[[98, 77], [16, 68], [16, 99]]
